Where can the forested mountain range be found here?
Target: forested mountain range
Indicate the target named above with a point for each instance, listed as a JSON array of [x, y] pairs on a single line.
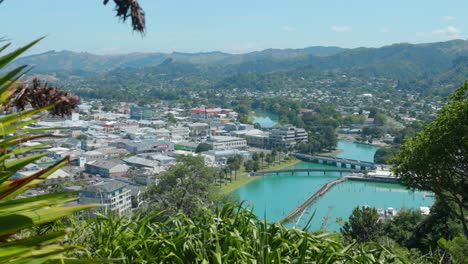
[[428, 67], [86, 62]]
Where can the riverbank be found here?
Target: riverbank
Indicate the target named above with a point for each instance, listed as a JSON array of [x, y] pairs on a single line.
[[354, 139], [244, 178], [330, 152]]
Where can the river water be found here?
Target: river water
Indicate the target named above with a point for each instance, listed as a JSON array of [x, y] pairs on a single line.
[[265, 119], [274, 196]]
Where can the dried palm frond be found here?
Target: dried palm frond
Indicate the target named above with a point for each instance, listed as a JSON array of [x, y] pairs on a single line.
[[132, 9], [41, 94]]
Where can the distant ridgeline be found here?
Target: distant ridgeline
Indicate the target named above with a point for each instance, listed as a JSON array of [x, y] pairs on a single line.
[[426, 68]]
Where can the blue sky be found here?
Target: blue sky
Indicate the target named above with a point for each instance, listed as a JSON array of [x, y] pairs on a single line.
[[233, 26]]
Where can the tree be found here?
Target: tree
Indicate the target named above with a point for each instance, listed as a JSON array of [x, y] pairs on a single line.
[[235, 163], [458, 248], [329, 139], [363, 225], [436, 159], [380, 119], [183, 187], [262, 157], [384, 154], [440, 223], [402, 227], [274, 153], [82, 137], [202, 147], [171, 119], [249, 165]]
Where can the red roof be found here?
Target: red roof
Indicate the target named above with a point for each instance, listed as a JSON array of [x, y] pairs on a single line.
[[198, 110]]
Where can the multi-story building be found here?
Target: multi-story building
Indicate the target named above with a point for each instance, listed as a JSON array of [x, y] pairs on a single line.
[[287, 136], [179, 133], [139, 113], [226, 142], [113, 195], [199, 129]]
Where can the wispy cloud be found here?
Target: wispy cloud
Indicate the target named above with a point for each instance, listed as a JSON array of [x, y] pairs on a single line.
[[448, 32], [449, 18], [288, 28], [384, 30], [341, 28]]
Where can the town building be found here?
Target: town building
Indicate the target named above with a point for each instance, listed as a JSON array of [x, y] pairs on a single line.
[[145, 146], [220, 157], [113, 195], [287, 136], [179, 133], [94, 155], [227, 142], [199, 129], [106, 168], [140, 113]]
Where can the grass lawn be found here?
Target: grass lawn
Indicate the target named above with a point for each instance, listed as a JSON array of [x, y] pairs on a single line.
[[244, 178]]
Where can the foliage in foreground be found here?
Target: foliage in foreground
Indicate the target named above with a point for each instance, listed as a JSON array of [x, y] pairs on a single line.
[[229, 234], [17, 213], [458, 248], [436, 158], [363, 225]]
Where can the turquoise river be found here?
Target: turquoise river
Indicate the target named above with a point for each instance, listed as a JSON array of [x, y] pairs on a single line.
[[265, 119], [274, 196]]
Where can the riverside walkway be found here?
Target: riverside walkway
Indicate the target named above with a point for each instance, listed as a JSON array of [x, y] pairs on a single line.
[[312, 198]]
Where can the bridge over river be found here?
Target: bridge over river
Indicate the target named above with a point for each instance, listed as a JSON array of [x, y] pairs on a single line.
[[308, 170], [337, 162]]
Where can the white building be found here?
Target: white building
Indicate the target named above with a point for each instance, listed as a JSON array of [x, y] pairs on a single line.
[[226, 142], [287, 136], [179, 133], [111, 194]]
